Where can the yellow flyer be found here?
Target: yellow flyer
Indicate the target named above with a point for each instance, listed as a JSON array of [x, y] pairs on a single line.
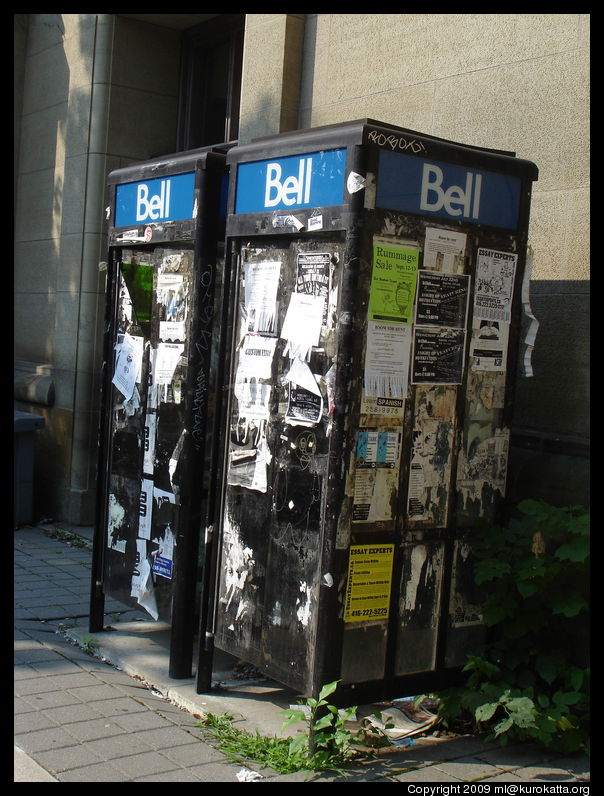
[[393, 282], [369, 582]]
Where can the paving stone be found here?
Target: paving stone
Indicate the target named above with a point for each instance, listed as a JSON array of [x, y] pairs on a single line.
[[177, 775], [91, 693], [114, 747], [426, 774], [145, 764], [66, 758], [99, 772], [43, 740], [194, 754], [214, 772], [91, 729], [51, 699], [58, 682], [68, 714], [165, 737], [28, 722], [465, 769], [141, 721], [117, 706]]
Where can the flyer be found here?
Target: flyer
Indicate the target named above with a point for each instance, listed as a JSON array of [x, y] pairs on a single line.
[[442, 299], [302, 324], [129, 364], [256, 357], [494, 290], [369, 582], [387, 356], [261, 283], [393, 282], [376, 474], [304, 408], [489, 345], [444, 250], [438, 355], [313, 277]]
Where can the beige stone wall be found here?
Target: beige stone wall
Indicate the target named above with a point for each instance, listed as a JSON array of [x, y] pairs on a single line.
[[517, 82], [97, 91]]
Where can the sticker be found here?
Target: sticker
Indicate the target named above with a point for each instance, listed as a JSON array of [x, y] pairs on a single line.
[[355, 182], [166, 360], [172, 331], [393, 282], [431, 453], [315, 223], [385, 407], [369, 582], [256, 357], [376, 475], [149, 444]]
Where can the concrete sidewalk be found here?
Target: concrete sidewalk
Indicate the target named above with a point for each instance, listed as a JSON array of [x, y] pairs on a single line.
[[116, 716]]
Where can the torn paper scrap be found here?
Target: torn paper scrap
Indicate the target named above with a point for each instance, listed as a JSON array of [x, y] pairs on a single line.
[[145, 509], [402, 721], [142, 581], [300, 374]]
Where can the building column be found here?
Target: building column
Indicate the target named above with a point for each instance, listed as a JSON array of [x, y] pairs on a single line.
[[272, 66]]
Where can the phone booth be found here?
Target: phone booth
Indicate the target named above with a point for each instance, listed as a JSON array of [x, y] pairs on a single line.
[[165, 259], [375, 306]]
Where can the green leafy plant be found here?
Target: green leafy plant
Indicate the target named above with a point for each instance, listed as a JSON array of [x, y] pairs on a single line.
[[88, 644], [531, 679], [326, 746], [328, 743]]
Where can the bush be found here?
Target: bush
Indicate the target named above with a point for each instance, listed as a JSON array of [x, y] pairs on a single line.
[[531, 679]]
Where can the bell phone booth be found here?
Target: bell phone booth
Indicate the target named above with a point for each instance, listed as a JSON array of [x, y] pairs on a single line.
[[166, 243], [374, 306]]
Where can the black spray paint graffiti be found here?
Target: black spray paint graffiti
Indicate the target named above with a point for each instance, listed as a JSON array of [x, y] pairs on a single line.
[[397, 142], [202, 347]]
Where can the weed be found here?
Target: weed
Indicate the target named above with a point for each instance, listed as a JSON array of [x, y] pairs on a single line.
[[326, 746], [88, 644]]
